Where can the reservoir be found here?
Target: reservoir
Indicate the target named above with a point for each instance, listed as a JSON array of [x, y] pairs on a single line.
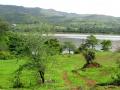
[[77, 39]]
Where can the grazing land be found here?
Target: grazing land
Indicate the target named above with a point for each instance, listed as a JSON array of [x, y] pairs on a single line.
[[63, 73]]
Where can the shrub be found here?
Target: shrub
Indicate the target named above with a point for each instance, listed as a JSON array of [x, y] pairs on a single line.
[[106, 45], [5, 55], [17, 82], [116, 77], [17, 45], [77, 51]]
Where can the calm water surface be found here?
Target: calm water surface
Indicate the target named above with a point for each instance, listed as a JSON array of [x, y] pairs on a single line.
[[77, 39]]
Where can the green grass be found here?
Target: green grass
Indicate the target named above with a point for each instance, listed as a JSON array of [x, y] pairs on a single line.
[[60, 72]]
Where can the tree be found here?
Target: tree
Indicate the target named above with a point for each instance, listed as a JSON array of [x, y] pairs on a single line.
[[91, 41], [106, 45], [17, 45], [69, 46], [4, 28], [53, 45], [83, 47], [89, 56], [38, 53]]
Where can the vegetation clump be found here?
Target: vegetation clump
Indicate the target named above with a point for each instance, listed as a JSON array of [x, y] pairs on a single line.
[[106, 45]]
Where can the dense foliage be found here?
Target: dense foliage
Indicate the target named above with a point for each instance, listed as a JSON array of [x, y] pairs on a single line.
[[106, 45], [17, 43], [54, 46]]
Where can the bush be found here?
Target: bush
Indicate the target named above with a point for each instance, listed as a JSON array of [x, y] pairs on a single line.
[[77, 51], [116, 77], [5, 55], [17, 81], [17, 45]]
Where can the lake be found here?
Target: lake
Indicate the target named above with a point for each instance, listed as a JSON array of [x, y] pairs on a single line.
[[77, 39]]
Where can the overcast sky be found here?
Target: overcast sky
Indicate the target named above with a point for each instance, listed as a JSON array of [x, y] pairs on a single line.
[[107, 7]]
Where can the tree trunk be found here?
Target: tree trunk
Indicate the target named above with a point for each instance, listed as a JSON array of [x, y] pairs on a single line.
[[42, 76], [69, 51]]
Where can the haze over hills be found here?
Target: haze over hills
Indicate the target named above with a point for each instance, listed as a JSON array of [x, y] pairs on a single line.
[[19, 14]]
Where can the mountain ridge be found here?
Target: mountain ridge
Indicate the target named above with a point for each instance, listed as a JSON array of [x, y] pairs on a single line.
[[63, 21], [45, 13]]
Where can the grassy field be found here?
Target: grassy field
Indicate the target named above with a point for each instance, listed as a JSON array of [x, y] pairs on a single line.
[[59, 75]]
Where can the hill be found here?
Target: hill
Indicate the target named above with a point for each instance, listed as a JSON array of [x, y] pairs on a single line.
[[64, 22]]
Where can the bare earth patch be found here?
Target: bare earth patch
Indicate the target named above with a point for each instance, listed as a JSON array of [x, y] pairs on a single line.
[[88, 82], [91, 65], [68, 83]]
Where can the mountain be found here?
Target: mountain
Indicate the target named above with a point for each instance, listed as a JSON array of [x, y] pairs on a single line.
[[19, 14], [70, 21]]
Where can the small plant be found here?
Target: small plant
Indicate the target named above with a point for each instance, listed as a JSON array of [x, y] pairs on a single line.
[[116, 77], [17, 82]]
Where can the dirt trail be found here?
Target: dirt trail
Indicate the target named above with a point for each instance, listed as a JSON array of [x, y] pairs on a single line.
[[65, 78], [68, 82], [88, 82]]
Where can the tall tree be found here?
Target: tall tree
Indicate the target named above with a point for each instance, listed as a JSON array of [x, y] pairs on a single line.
[[38, 53]]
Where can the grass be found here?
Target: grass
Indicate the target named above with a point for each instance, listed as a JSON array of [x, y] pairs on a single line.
[[59, 75]]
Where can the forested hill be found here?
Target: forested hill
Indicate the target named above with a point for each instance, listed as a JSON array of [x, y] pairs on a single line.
[[64, 22]]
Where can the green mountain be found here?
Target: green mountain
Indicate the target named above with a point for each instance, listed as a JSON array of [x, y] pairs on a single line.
[[70, 22]]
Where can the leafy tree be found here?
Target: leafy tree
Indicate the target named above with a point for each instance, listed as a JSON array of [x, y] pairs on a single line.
[[106, 45], [54, 45], [69, 46], [91, 41], [17, 45], [4, 27], [83, 47], [39, 55]]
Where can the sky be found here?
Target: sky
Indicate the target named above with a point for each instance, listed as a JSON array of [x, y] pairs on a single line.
[[106, 7]]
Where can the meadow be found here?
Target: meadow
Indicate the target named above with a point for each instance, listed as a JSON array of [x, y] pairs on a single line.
[[63, 73]]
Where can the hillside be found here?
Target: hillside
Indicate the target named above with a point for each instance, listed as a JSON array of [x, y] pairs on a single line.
[[65, 22]]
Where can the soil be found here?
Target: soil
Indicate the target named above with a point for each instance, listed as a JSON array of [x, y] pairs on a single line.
[[65, 78], [91, 65], [68, 82], [88, 82]]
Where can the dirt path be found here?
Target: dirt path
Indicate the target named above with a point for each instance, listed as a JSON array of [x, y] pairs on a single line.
[[88, 82], [65, 78], [68, 82]]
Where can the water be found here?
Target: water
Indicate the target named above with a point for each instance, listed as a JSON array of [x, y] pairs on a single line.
[[77, 39]]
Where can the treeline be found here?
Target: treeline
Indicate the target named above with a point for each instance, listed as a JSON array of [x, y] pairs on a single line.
[[67, 29], [90, 27]]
